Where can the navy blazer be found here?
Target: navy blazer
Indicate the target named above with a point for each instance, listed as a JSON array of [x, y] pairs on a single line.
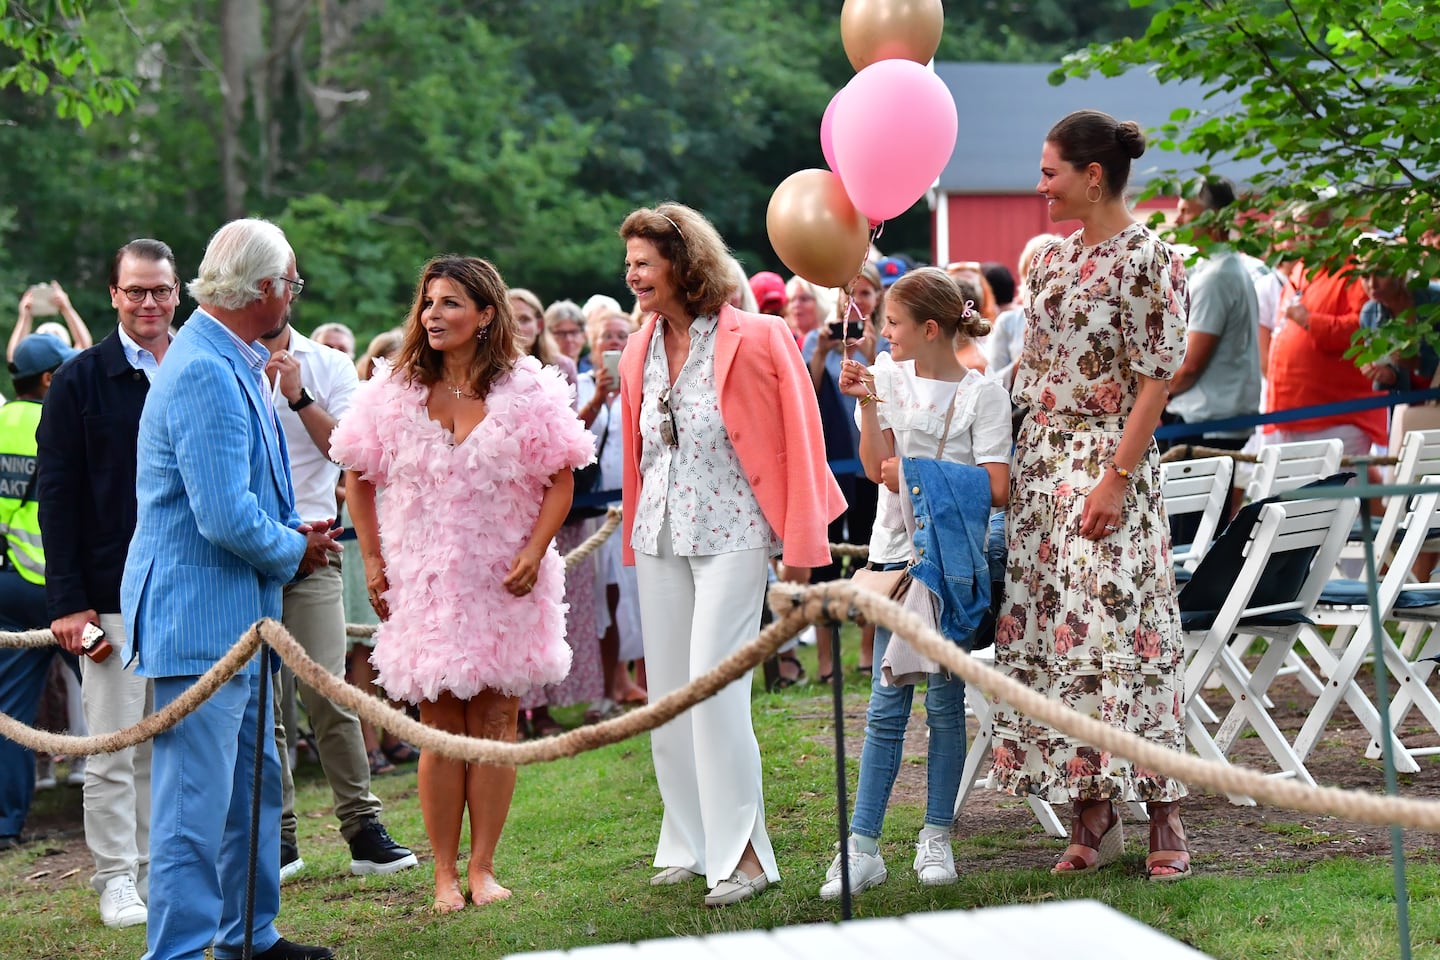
[[85, 483]]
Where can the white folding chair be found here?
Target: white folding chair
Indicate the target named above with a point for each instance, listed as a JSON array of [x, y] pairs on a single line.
[[979, 749], [1285, 466], [1344, 602], [1286, 558], [1417, 458], [1196, 486], [1340, 667]]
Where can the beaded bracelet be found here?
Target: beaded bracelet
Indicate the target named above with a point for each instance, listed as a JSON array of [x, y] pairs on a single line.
[[1124, 474]]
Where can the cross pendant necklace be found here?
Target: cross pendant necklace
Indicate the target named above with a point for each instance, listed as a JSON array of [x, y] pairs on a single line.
[[458, 392]]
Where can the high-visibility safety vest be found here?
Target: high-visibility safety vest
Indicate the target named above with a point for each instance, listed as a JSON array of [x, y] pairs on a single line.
[[19, 513]]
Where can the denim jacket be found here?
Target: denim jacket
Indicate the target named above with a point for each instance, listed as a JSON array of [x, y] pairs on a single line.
[[951, 502]]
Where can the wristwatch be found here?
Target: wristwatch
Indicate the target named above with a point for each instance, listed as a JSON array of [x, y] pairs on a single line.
[[302, 401]]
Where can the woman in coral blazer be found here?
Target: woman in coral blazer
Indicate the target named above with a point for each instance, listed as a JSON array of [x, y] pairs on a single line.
[[724, 468]]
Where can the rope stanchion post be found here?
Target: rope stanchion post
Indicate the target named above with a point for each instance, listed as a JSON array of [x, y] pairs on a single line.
[[1387, 748], [842, 816], [247, 947]]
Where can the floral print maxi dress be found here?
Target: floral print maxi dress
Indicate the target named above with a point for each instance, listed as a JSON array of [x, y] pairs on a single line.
[[1092, 624]]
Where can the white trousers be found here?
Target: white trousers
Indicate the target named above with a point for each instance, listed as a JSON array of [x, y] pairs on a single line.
[[117, 785], [695, 612]]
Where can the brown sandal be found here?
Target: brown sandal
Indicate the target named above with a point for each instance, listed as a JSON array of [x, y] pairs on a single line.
[[1168, 848], [1106, 847]]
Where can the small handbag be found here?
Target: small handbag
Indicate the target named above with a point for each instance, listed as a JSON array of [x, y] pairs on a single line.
[[587, 480]]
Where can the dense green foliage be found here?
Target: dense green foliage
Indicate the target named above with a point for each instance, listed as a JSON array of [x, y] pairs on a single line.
[[379, 132], [1335, 97]]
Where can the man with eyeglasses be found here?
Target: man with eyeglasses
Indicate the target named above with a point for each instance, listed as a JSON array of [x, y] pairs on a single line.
[[86, 494], [312, 387]]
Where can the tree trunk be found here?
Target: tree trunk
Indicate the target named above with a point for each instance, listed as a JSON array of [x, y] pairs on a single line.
[[240, 52]]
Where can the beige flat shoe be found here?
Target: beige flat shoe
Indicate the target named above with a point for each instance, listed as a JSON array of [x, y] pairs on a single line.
[[736, 889], [673, 875]]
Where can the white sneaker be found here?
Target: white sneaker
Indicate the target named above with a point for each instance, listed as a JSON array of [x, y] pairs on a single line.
[[120, 904], [866, 870], [45, 774], [934, 861]]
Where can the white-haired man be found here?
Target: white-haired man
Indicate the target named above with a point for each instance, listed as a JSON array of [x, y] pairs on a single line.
[[216, 539]]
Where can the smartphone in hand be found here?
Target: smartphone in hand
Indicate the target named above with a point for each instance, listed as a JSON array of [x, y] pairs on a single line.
[[611, 360], [94, 644]]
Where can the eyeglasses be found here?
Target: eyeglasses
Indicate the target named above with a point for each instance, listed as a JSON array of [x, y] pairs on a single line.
[[297, 286], [668, 430], [138, 294], [566, 334]]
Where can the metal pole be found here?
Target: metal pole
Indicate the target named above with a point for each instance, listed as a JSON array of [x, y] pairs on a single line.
[[1382, 703], [263, 729], [837, 689]]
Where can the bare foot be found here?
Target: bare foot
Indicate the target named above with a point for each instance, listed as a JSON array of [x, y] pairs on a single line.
[[485, 889], [633, 694], [448, 897]]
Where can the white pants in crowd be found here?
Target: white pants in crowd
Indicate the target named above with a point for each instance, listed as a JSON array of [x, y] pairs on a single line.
[[117, 785], [695, 612]]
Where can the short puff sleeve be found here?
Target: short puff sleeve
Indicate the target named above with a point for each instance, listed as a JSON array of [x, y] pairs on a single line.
[[356, 443], [1155, 306], [544, 428]]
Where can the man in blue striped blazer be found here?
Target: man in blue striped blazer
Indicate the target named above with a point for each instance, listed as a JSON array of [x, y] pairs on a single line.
[[216, 539]]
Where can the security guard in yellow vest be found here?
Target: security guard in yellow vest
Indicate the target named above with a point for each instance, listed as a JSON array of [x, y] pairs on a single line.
[[22, 571]]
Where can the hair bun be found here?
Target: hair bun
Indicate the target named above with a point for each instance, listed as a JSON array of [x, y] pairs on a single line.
[[1130, 138]]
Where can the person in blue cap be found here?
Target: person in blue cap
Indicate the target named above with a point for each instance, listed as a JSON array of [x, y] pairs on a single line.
[[22, 571]]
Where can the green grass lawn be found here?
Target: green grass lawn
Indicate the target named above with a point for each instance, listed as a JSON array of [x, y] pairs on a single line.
[[577, 852]]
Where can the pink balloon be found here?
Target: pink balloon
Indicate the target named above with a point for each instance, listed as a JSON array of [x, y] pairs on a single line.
[[827, 141], [893, 133]]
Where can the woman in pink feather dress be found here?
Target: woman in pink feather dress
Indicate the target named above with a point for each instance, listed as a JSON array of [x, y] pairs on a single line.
[[473, 449]]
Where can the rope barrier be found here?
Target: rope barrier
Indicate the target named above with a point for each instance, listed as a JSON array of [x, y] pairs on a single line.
[[796, 607]]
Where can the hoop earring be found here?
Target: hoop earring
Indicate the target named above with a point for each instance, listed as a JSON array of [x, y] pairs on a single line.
[[1098, 193]]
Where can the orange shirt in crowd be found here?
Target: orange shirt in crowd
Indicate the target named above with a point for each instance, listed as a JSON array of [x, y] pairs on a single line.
[[1308, 366]]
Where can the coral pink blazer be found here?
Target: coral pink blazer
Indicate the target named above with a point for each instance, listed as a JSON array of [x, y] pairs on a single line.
[[768, 404]]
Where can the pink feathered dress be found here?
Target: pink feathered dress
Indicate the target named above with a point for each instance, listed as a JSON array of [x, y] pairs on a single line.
[[451, 520]]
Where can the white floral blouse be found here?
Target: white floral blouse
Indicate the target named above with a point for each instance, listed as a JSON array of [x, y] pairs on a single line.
[[698, 484]]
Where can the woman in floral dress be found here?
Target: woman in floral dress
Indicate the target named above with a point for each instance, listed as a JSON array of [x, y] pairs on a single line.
[[1089, 616]]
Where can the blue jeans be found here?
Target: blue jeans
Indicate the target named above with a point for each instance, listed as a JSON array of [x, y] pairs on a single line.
[[885, 722]]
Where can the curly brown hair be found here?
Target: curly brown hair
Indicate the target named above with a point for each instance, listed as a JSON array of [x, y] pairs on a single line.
[[699, 260], [495, 356]]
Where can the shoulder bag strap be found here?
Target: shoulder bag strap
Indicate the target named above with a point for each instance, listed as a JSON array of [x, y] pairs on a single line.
[[950, 415]]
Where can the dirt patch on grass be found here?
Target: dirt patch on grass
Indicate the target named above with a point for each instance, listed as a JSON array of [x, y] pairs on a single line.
[[999, 831]]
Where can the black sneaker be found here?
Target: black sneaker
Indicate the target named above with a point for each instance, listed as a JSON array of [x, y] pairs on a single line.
[[290, 862], [372, 851]]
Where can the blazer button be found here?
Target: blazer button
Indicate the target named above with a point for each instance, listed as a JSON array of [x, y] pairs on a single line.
[[921, 551], [919, 524], [915, 490], [755, 480], [735, 436]]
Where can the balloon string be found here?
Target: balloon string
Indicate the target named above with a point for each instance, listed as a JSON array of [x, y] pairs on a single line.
[[846, 343]]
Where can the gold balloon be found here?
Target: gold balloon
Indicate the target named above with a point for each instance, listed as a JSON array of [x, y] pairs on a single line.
[[815, 229], [875, 30]]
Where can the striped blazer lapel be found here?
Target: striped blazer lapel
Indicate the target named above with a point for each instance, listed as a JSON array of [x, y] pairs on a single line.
[[220, 341]]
